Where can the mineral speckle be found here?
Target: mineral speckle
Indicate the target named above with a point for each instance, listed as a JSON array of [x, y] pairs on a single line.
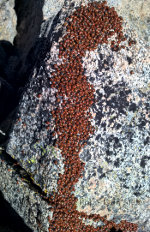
[[117, 165]]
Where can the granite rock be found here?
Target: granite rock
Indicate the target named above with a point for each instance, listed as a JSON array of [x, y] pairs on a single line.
[[22, 196], [8, 20], [136, 13], [23, 29], [26, 13], [116, 178]]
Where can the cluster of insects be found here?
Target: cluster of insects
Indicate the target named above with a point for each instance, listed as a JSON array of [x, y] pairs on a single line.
[[88, 26]]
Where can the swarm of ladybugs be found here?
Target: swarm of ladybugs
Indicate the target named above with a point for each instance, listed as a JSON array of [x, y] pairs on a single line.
[[87, 27]]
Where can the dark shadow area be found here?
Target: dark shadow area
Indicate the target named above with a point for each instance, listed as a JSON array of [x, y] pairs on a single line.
[[7, 89], [10, 221], [114, 230], [17, 60], [17, 67], [29, 19]]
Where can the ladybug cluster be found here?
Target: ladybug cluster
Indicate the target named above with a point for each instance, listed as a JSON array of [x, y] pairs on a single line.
[[86, 28]]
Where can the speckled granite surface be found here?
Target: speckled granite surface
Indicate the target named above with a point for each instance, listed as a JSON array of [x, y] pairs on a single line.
[[8, 20], [136, 13], [26, 11], [23, 197], [116, 179]]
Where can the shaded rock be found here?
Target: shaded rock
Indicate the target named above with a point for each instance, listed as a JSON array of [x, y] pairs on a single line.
[[115, 181], [9, 62], [25, 199], [23, 24], [30, 25], [6, 97], [8, 214], [22, 15]]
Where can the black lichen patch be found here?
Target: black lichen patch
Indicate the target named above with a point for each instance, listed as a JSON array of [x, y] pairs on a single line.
[[129, 59], [93, 174], [109, 153], [100, 65], [92, 79], [116, 140], [147, 140], [98, 117], [132, 107], [108, 160], [117, 144], [147, 106], [99, 94], [117, 162], [136, 194], [142, 123], [98, 137], [85, 156], [143, 161], [115, 99], [130, 136], [108, 91], [101, 56], [105, 63], [118, 125], [99, 169], [125, 186], [103, 125], [88, 156], [102, 176]]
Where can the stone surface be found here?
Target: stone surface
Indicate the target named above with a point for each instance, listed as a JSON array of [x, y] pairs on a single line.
[[116, 179], [8, 20], [51, 7], [23, 29], [23, 197], [8, 214], [26, 12], [136, 12]]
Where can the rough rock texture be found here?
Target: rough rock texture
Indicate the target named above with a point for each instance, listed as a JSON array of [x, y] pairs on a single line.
[[23, 197], [27, 12], [51, 7], [30, 25], [117, 171], [23, 30], [8, 214], [8, 20], [136, 13]]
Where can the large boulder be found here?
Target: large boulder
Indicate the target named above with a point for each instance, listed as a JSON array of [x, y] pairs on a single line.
[[22, 31], [116, 174]]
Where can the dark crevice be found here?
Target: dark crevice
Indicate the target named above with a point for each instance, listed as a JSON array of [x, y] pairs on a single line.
[[10, 221], [22, 173], [17, 60], [23, 70]]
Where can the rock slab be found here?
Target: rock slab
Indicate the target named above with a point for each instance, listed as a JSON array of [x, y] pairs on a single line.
[[116, 179]]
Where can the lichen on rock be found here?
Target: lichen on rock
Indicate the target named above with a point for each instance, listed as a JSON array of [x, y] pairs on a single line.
[[115, 181]]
